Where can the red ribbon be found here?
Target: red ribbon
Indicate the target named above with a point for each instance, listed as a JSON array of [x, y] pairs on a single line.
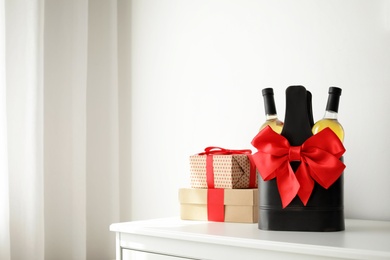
[[213, 150], [319, 156], [215, 205], [222, 151], [210, 172]]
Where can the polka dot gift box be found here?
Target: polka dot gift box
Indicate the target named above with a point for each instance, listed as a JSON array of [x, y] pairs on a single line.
[[222, 168]]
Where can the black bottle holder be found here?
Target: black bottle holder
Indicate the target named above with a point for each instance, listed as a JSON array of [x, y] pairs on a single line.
[[325, 209]]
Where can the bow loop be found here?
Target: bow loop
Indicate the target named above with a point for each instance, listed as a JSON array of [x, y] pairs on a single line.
[[325, 140], [320, 161]]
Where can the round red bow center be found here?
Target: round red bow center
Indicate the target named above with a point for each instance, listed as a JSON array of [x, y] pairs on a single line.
[[294, 154]]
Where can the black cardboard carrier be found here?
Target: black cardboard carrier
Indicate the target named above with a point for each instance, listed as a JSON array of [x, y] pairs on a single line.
[[325, 209]]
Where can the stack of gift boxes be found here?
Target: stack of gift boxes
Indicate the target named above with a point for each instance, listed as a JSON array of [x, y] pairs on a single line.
[[223, 187]]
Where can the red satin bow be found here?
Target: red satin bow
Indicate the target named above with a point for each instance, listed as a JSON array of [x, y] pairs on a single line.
[[222, 151], [320, 161]]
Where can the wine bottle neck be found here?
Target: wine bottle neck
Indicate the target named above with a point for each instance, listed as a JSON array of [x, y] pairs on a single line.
[[330, 114], [269, 105], [271, 117], [333, 103]]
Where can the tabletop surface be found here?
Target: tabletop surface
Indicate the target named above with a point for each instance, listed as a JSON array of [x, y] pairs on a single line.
[[360, 238]]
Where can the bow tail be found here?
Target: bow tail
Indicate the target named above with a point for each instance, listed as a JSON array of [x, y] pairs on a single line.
[[288, 184], [307, 183]]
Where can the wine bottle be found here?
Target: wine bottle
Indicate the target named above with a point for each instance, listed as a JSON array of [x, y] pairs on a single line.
[[330, 117], [270, 111]]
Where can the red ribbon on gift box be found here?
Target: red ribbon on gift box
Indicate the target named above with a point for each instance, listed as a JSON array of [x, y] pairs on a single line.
[[213, 150], [319, 156], [215, 205]]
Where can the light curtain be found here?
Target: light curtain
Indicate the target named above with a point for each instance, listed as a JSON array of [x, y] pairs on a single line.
[[63, 154]]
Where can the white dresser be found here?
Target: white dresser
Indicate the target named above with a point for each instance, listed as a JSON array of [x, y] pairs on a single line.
[[173, 238]]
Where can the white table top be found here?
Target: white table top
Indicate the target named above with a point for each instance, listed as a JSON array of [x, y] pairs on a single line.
[[362, 239]]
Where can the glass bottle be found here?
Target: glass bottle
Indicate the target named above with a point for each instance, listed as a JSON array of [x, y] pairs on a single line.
[[270, 111], [331, 113]]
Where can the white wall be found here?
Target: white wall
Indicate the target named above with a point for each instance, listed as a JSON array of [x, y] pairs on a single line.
[[198, 67]]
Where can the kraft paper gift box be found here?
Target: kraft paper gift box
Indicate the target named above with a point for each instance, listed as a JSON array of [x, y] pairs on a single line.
[[226, 169], [237, 205]]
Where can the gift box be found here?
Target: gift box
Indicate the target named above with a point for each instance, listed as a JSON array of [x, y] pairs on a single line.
[[221, 168], [223, 205], [301, 183]]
